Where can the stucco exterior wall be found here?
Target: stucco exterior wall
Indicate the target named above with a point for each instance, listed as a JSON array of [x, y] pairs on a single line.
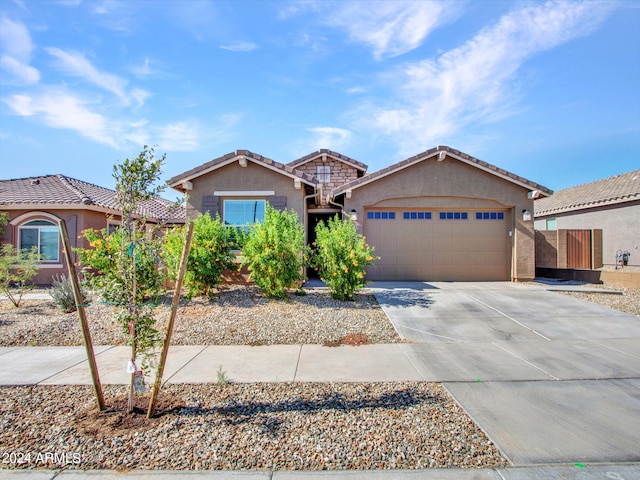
[[235, 178], [453, 183], [620, 226]]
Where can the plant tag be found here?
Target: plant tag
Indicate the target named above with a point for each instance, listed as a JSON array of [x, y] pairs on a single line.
[[138, 382], [131, 367]]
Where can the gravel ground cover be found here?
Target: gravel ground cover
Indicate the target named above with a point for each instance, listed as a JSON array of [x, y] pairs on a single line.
[[239, 315], [626, 300], [245, 426]]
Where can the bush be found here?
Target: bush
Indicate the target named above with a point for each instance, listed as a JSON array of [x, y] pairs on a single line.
[[62, 294], [106, 259], [274, 252], [341, 255], [17, 269], [209, 256]]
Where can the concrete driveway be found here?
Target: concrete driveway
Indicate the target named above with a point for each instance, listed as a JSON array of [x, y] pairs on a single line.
[[550, 378]]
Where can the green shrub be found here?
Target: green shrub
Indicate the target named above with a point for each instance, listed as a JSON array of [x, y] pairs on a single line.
[[209, 256], [341, 255], [274, 252], [107, 258]]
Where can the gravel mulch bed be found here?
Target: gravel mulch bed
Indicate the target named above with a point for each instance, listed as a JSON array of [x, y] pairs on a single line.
[[627, 300], [245, 426], [239, 315]]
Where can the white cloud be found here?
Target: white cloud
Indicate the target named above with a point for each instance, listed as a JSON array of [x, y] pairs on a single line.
[[21, 71], [17, 48], [74, 63], [391, 28], [437, 97], [178, 136], [58, 108], [240, 47], [329, 137]]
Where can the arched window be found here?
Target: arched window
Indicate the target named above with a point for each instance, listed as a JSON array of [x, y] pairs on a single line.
[[44, 236]]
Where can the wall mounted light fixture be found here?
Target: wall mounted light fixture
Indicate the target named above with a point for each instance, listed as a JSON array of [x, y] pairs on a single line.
[[526, 215], [354, 215]]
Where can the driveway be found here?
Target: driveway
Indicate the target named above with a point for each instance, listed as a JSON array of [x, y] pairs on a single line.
[[550, 378]]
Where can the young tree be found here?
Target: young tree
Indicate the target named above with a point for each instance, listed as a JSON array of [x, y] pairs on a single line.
[[17, 269], [128, 260], [4, 219], [274, 251], [135, 180]]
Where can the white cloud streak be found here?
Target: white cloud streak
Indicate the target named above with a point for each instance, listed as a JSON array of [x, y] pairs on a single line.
[[437, 97], [75, 64], [58, 108], [329, 137], [391, 28], [240, 47], [17, 48]]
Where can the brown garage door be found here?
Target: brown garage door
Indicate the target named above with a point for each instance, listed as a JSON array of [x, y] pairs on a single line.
[[439, 245]]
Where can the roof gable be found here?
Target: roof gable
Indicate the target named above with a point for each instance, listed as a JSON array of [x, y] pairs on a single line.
[[608, 191], [60, 191], [179, 181], [440, 153], [325, 153]]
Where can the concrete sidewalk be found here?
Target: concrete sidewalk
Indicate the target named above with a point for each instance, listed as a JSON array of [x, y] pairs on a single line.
[[540, 472]]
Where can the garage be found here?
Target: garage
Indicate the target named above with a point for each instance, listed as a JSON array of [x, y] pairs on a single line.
[[444, 215], [439, 244]]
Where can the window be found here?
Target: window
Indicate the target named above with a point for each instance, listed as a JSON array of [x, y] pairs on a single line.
[[416, 215], [489, 215], [324, 173], [43, 236], [454, 216], [242, 213], [112, 228], [381, 215], [551, 224]]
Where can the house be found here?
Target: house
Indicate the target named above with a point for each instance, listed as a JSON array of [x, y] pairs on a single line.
[[611, 205], [440, 215], [36, 204]]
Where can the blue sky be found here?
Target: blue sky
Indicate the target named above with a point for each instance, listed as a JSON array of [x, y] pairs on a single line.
[[546, 90]]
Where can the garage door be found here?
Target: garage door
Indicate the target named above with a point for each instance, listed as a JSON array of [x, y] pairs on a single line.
[[439, 245]]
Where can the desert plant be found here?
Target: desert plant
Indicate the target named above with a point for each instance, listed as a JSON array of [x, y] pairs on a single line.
[[62, 294], [341, 256], [17, 269], [274, 251], [209, 256]]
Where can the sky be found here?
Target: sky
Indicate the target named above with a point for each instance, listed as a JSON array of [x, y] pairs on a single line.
[[547, 90]]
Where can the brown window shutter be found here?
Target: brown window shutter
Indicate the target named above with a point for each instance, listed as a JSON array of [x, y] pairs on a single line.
[[278, 202], [211, 204]]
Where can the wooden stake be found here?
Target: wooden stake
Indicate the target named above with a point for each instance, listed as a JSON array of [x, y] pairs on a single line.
[[77, 295], [172, 317]]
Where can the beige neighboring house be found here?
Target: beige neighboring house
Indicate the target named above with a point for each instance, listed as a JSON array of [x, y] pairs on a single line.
[[36, 204], [611, 204], [441, 215]]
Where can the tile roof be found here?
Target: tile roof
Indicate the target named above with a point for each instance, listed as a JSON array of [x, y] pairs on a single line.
[[323, 151], [431, 153], [229, 157], [608, 191], [62, 191]]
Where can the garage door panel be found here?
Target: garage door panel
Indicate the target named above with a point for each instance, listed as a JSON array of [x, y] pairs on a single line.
[[446, 249]]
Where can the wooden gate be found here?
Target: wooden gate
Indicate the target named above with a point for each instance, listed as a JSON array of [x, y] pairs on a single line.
[[579, 249]]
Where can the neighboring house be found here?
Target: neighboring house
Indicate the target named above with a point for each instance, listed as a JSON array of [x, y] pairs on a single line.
[[36, 204], [611, 204], [440, 215]]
